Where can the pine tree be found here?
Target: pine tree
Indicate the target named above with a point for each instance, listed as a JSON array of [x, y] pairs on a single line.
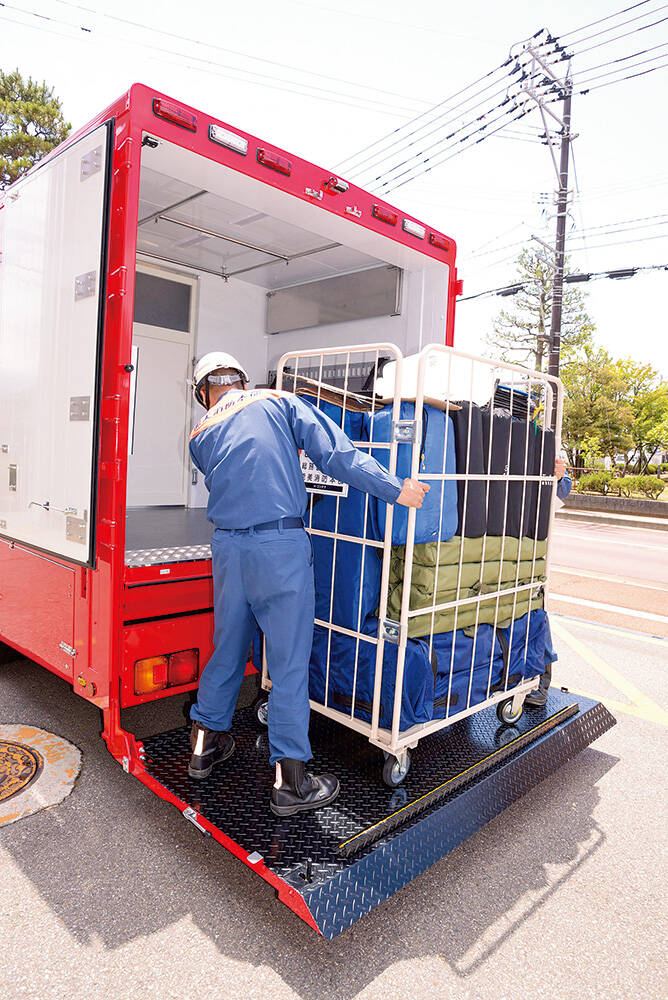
[[31, 124], [522, 336]]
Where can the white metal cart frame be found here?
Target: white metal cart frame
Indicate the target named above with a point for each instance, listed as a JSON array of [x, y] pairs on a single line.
[[545, 389]]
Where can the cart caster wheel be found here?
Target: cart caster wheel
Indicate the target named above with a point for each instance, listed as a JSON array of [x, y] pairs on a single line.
[[505, 714], [261, 710], [394, 770]]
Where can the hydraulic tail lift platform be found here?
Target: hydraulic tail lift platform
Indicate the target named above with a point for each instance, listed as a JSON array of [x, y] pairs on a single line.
[[96, 243], [335, 865]]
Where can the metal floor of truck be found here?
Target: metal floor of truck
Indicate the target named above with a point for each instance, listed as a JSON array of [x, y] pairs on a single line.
[[155, 535]]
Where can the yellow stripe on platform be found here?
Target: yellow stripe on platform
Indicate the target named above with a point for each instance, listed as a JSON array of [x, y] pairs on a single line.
[[641, 706], [495, 753]]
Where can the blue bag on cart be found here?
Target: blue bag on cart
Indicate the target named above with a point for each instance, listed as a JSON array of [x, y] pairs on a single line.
[[357, 568], [526, 658], [458, 650], [440, 504], [418, 688]]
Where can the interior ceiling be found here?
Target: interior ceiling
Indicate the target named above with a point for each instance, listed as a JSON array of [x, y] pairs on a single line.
[[212, 212]]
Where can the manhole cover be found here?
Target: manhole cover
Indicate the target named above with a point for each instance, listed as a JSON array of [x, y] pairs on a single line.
[[19, 765], [37, 770]]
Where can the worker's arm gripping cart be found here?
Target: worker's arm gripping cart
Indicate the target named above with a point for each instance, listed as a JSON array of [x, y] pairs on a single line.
[[427, 616]]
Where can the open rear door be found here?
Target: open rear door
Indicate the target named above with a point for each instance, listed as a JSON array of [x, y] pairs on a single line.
[[53, 236]]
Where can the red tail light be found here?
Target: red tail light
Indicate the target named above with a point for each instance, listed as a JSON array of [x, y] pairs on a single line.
[[274, 161], [183, 667], [173, 113], [155, 673], [439, 241], [384, 215]]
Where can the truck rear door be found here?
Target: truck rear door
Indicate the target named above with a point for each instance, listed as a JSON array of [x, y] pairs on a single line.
[[53, 236]]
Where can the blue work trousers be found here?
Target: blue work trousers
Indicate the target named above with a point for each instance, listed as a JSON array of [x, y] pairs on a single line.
[[264, 577]]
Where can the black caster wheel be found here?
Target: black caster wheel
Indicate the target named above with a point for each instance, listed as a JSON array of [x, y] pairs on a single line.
[[261, 709], [394, 770], [505, 713]]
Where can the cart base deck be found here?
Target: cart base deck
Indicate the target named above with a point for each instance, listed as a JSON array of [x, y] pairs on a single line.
[[459, 779]]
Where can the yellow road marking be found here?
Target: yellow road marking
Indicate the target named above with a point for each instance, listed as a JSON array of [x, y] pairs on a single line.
[[641, 706]]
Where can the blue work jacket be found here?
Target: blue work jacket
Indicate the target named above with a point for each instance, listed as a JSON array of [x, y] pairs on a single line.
[[247, 447]]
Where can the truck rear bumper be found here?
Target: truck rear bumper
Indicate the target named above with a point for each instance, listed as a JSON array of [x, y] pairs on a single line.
[[460, 778]]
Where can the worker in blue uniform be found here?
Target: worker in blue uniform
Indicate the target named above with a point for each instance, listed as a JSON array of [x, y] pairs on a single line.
[[247, 447], [538, 698]]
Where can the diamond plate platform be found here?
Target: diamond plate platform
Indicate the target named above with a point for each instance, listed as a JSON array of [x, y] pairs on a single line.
[[178, 553], [300, 855]]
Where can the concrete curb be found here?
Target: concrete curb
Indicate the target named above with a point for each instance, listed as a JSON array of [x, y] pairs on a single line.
[[622, 520]]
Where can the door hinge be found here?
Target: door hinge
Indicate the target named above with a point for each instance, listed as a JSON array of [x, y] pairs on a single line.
[[85, 285], [91, 163], [66, 648]]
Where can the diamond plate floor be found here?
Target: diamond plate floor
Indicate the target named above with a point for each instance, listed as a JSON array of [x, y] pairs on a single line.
[[339, 890]]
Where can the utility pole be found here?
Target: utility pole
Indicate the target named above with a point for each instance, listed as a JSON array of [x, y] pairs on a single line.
[[562, 205], [540, 98]]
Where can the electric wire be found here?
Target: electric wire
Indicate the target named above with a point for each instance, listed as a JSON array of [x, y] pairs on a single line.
[[643, 62], [610, 273], [307, 90], [617, 38], [631, 20], [378, 158], [608, 17], [621, 79], [244, 55]]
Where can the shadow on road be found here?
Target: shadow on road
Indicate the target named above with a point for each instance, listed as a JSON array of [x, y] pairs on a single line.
[[115, 862]]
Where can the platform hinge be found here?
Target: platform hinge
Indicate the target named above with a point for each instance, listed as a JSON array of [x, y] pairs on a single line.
[[66, 648], [404, 430], [85, 285], [390, 631], [191, 816], [125, 764]]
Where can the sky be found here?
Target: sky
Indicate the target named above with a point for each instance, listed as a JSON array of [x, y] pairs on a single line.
[[325, 79]]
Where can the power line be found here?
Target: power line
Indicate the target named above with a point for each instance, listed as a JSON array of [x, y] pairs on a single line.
[[220, 48], [307, 90], [631, 20], [621, 79], [569, 279], [593, 24], [618, 38]]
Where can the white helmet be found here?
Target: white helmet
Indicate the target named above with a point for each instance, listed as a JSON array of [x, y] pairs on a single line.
[[211, 363]]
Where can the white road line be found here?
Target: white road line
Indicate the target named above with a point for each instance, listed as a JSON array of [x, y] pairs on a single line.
[[627, 632], [611, 607], [614, 541], [567, 570]]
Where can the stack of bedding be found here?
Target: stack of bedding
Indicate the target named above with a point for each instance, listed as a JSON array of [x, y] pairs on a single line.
[[485, 537]]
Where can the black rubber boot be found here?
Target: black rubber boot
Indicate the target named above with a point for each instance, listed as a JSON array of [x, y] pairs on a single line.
[[209, 747], [537, 698], [301, 791]]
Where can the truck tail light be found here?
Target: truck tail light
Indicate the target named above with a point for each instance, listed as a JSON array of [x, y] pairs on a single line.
[[155, 673], [173, 113], [183, 667], [150, 674], [274, 161], [439, 241], [384, 215]]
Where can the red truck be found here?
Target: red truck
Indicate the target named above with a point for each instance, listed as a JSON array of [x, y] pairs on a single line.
[[152, 235]]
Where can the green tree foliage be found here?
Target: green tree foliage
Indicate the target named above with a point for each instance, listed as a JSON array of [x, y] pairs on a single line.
[[613, 407], [31, 124], [522, 335], [647, 394], [597, 412]]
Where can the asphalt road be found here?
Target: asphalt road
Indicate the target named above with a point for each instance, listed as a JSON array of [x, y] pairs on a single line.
[[111, 895], [611, 574]]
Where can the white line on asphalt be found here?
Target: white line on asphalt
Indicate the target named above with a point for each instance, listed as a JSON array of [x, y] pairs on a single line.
[[610, 607], [609, 579], [625, 630], [614, 541]]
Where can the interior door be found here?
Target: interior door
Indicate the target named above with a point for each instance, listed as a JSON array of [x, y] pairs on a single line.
[[160, 416], [53, 234]]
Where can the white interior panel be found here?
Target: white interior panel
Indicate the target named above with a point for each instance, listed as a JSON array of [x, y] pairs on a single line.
[[51, 231]]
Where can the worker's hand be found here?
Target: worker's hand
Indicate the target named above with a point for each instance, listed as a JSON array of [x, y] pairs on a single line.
[[559, 468], [413, 493]]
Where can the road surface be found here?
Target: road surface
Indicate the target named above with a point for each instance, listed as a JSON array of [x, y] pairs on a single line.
[[611, 574]]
